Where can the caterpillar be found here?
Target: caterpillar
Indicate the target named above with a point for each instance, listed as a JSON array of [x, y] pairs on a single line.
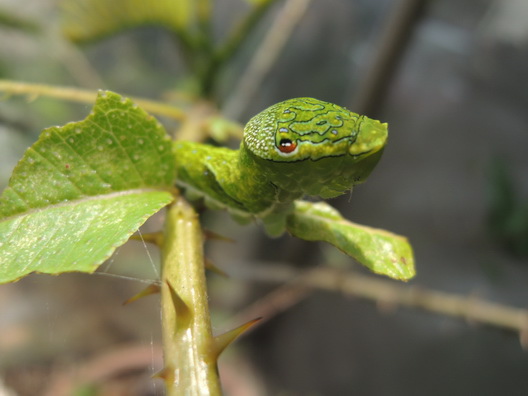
[[297, 147]]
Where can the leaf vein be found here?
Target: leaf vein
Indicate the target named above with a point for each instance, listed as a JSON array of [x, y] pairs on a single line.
[[82, 159], [126, 152], [54, 165], [19, 194]]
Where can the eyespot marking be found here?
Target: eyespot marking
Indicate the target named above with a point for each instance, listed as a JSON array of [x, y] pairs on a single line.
[[287, 146]]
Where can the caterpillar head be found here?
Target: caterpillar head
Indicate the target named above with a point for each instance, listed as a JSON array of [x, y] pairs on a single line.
[[309, 146]]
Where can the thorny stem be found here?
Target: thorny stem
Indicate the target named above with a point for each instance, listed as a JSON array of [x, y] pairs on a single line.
[[190, 351]]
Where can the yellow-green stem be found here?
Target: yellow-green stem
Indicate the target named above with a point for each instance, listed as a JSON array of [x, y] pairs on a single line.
[[189, 347], [84, 96]]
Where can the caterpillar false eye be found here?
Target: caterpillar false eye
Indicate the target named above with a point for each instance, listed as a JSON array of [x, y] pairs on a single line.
[[287, 146], [298, 147]]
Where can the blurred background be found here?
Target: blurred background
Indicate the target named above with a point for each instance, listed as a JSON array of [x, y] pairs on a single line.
[[450, 78]]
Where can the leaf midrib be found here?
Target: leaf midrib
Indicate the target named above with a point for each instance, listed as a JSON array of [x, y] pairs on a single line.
[[73, 202], [370, 230]]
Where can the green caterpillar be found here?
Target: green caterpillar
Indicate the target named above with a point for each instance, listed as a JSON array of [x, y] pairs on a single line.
[[298, 147]]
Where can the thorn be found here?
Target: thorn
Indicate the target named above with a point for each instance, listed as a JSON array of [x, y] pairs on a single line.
[[183, 313], [174, 191], [211, 267], [223, 340], [147, 291], [166, 374], [523, 339], [155, 238], [208, 234]]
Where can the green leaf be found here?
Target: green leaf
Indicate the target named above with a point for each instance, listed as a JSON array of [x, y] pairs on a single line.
[[379, 250], [90, 19], [82, 189]]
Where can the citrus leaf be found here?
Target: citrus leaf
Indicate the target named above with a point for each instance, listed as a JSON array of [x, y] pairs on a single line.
[[90, 19], [73, 237], [379, 250], [82, 189]]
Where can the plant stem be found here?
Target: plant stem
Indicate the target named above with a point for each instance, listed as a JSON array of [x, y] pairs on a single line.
[[83, 96], [243, 30], [204, 13], [394, 40], [209, 76], [189, 348], [386, 293], [265, 56]]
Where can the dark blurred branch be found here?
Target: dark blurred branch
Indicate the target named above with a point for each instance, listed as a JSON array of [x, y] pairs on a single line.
[[393, 41], [246, 26], [209, 76], [388, 294], [96, 370], [275, 302], [266, 56], [204, 13]]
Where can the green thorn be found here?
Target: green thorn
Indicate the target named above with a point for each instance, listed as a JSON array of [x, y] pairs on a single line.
[[211, 267], [147, 291], [208, 234], [155, 238], [166, 374], [183, 313], [223, 340]]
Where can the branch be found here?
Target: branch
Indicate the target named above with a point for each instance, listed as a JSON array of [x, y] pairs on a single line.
[[83, 96], [387, 294], [243, 30], [188, 344], [393, 41], [111, 363], [266, 56]]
